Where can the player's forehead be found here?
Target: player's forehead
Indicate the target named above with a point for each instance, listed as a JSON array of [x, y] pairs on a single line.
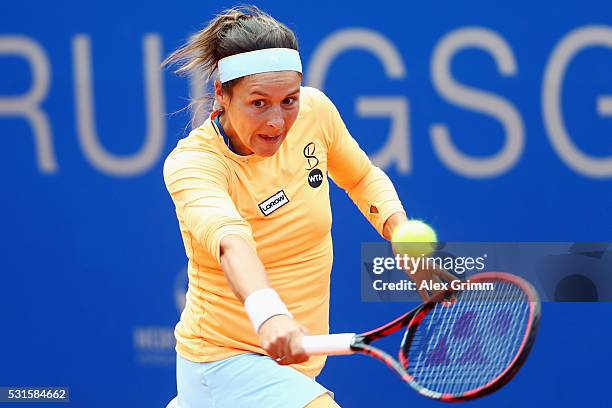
[[270, 84]]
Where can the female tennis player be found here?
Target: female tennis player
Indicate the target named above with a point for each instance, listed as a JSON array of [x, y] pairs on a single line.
[[251, 192]]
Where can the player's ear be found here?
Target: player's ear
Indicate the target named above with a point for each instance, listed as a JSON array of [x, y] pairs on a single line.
[[221, 97]]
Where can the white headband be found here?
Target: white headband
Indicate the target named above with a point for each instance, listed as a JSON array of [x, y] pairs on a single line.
[[258, 61]]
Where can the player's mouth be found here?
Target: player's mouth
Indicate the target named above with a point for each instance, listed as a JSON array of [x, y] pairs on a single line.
[[269, 139]]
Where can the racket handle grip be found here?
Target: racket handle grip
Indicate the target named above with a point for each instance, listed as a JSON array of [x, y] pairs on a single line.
[[328, 344]]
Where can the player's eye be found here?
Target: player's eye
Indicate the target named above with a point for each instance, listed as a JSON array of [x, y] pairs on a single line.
[[259, 103], [289, 101]]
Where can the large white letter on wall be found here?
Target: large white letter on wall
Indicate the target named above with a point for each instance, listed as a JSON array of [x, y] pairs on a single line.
[[562, 55], [397, 148], [28, 105], [150, 152], [478, 101]]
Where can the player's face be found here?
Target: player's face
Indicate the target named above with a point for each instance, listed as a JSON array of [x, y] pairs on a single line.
[[260, 111]]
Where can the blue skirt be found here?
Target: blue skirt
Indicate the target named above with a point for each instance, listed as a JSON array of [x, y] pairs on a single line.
[[245, 380]]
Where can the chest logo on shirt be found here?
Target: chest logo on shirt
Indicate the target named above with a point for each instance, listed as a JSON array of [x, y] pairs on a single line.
[[315, 177], [311, 159], [271, 204]]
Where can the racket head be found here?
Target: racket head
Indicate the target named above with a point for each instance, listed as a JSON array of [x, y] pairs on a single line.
[[473, 345]]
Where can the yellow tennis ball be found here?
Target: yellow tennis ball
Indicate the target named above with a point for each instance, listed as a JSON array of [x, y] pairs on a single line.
[[413, 238]]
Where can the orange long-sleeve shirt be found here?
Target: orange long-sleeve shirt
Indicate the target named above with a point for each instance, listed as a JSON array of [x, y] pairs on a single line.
[[280, 205]]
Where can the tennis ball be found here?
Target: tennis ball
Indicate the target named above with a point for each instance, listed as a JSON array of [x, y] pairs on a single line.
[[413, 238]]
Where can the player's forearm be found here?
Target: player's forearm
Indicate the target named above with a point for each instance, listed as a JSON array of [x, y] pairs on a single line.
[[242, 267], [376, 198], [249, 282]]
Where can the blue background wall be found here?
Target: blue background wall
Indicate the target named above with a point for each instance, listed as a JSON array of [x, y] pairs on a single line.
[[92, 263]]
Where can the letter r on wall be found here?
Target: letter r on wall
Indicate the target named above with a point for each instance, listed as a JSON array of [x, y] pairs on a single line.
[[28, 105]]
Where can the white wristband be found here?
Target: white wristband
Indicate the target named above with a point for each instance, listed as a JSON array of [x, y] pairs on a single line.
[[262, 305]]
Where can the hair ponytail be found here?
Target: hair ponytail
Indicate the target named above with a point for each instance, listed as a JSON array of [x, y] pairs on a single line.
[[233, 31]]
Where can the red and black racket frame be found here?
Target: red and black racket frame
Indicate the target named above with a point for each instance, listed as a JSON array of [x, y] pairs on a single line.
[[412, 319]]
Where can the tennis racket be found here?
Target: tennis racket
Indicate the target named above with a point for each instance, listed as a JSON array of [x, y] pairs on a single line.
[[459, 345]]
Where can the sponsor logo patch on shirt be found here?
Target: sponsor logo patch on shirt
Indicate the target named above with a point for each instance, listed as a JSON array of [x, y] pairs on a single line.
[[315, 178], [269, 205]]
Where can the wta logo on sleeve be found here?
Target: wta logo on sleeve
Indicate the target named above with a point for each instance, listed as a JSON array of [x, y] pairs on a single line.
[[273, 203]]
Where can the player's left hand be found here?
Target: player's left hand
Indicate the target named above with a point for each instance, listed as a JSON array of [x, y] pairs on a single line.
[[428, 278]]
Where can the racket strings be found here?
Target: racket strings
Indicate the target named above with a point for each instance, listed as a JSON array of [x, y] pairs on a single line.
[[468, 344]]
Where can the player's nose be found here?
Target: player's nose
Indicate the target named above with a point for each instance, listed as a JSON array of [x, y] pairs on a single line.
[[276, 119]]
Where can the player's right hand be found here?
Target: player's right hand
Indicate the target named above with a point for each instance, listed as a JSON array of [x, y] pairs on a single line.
[[281, 337]]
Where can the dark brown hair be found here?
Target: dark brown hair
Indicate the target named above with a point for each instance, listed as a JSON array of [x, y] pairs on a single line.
[[233, 31]]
